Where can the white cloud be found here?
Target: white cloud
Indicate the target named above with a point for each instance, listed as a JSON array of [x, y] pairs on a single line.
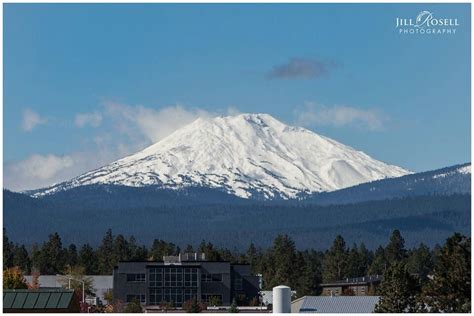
[[339, 116], [31, 119], [154, 125], [93, 119]]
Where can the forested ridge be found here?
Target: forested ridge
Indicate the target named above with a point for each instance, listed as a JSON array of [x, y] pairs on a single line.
[[429, 219]]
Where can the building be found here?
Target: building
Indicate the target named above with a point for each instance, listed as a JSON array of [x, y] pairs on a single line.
[[353, 286], [40, 301], [178, 279], [100, 283], [335, 304]]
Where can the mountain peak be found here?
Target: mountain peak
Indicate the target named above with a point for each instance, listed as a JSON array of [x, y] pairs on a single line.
[[248, 155]]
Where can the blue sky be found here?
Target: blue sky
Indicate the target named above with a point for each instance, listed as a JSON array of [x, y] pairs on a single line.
[[85, 84]]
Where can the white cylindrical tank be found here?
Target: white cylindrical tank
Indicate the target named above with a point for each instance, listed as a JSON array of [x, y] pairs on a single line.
[[281, 299]]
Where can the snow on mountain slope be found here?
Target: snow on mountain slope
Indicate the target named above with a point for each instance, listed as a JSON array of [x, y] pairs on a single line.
[[247, 155]]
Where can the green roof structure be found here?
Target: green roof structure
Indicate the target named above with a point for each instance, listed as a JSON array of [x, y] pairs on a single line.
[[40, 301]]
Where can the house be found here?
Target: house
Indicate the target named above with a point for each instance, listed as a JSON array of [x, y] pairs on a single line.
[[178, 279], [40, 301], [361, 286], [335, 304]]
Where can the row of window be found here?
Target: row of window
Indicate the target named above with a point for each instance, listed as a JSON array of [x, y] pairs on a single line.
[[173, 277]]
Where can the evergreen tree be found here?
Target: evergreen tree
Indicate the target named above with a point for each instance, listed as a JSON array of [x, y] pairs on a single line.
[[21, 259], [335, 261], [89, 260], [419, 262], [398, 291], [106, 254], [133, 307], [449, 290], [395, 250], [7, 251], [379, 263], [121, 248], [253, 258], [161, 248], [281, 260], [71, 255], [51, 257]]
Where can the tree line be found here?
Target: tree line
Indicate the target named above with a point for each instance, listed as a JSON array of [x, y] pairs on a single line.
[[413, 278]]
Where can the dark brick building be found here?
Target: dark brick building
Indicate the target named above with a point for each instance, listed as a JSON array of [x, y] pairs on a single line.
[[178, 279]]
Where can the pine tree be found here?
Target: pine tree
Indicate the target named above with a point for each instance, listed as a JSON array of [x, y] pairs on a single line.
[[89, 260], [335, 261], [21, 258], [449, 290], [395, 250], [281, 258], [106, 254], [52, 256], [121, 249], [71, 255], [7, 251], [398, 291], [419, 262], [379, 263]]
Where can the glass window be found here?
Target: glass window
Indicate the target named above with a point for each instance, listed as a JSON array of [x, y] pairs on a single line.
[[156, 296], [190, 277], [156, 277]]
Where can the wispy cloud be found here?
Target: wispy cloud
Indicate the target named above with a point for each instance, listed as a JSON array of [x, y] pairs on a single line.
[[340, 115], [150, 124], [301, 68], [93, 119], [31, 119]]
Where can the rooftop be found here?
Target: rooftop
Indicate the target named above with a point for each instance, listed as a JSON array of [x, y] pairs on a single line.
[[41, 299], [335, 304]]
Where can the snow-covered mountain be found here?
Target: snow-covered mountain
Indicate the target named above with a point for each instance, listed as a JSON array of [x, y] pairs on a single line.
[[248, 155]]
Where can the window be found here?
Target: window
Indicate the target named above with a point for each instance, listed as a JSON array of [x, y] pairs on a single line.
[[190, 277], [156, 277], [156, 296], [189, 294], [136, 297], [238, 282], [136, 277], [173, 277], [173, 295]]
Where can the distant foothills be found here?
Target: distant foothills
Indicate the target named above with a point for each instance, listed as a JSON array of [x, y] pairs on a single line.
[[426, 207]]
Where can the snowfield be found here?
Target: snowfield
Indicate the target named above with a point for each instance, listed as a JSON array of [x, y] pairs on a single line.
[[246, 155]]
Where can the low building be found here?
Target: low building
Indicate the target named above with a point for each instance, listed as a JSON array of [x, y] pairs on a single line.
[[178, 279], [335, 304], [361, 286], [100, 283], [40, 301]]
